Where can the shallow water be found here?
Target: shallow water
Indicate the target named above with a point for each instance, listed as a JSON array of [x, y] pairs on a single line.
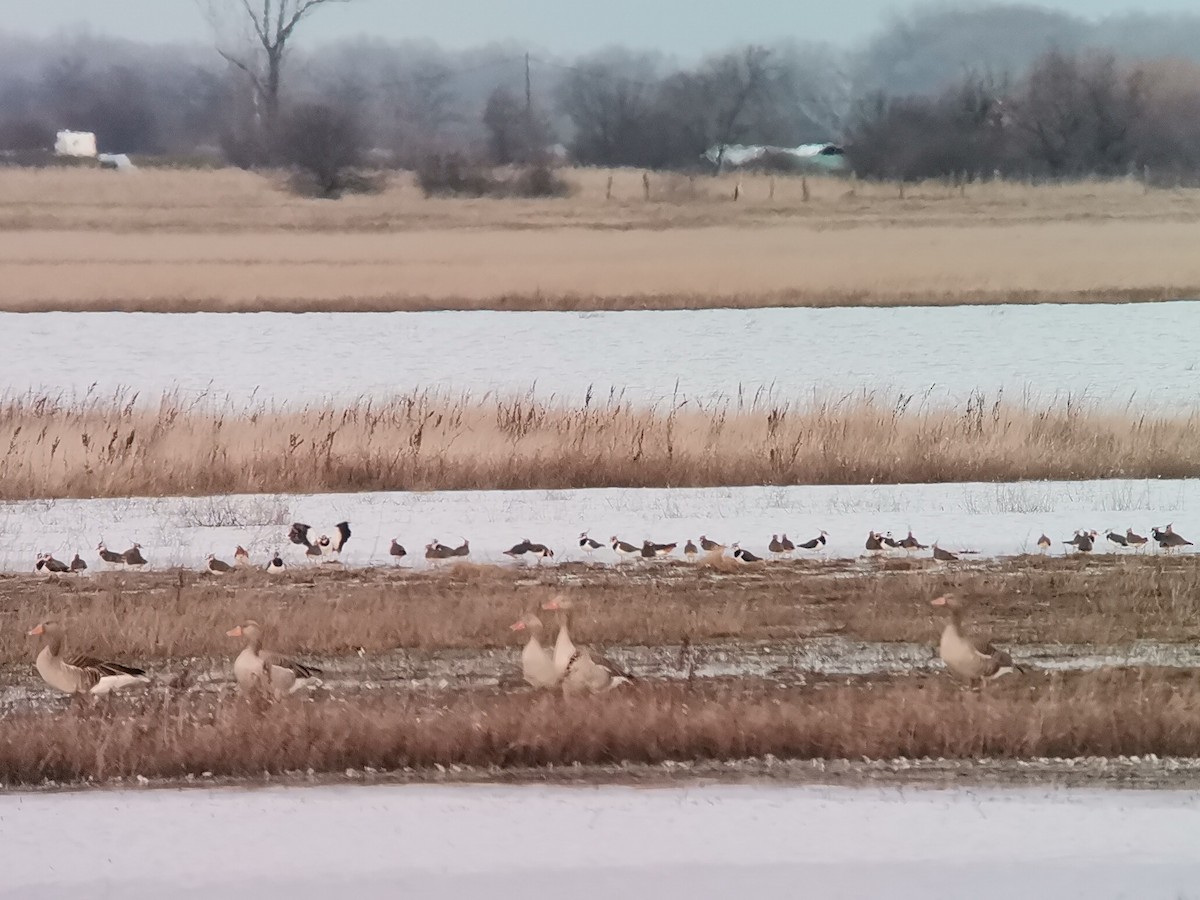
[[1111, 353]]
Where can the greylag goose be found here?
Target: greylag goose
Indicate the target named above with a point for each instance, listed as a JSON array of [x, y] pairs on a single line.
[[816, 543], [77, 564], [397, 551], [537, 661], [79, 674], [218, 565], [744, 555], [971, 660], [582, 671], [133, 556], [710, 546], [255, 670]]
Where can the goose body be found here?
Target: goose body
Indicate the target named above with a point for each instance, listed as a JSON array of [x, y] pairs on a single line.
[[966, 658], [80, 674], [564, 648], [254, 670], [537, 662], [581, 670]]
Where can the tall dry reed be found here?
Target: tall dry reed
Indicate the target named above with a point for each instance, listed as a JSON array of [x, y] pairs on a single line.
[[53, 447]]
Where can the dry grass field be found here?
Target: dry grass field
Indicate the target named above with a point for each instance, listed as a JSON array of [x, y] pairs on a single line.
[[1107, 713], [51, 448], [159, 619], [233, 241]]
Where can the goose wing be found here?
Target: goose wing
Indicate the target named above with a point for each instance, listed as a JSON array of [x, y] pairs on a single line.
[[97, 668], [300, 670]]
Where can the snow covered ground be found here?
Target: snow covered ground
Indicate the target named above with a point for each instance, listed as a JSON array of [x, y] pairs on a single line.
[[994, 519], [1108, 353], [693, 842]]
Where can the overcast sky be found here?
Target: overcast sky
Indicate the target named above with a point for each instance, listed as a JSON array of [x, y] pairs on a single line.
[[682, 27]]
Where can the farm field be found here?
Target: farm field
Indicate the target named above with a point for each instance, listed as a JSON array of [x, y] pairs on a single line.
[[182, 241]]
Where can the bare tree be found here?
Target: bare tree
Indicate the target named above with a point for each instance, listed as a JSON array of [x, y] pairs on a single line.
[[737, 80], [265, 29]]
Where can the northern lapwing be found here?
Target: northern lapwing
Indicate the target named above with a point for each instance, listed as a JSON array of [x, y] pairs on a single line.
[[745, 556], [690, 550], [775, 546], [1044, 543], [275, 564], [890, 542], [816, 543], [519, 549], [1135, 540], [1169, 540], [241, 556], [77, 564], [108, 556], [624, 549], [462, 550], [1119, 539], [397, 551], [788, 547], [436, 551], [659, 549], [710, 546], [588, 545], [55, 565], [40, 564], [943, 555], [874, 542], [910, 543], [133, 556], [218, 565]]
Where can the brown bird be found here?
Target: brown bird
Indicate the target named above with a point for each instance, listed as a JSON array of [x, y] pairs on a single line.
[[775, 545], [969, 659], [133, 556], [1135, 540], [217, 565], [710, 546], [1169, 540], [396, 551], [690, 550], [241, 556], [79, 674], [109, 556], [1044, 543], [874, 542], [942, 555]]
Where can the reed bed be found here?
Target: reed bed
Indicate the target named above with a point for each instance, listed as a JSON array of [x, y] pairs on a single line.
[[52, 447], [159, 619], [165, 736]]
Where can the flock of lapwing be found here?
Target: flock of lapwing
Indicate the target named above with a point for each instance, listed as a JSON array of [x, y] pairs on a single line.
[[328, 549]]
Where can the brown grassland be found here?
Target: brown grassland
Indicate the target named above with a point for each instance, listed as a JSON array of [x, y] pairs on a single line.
[[109, 447], [226, 240], [1118, 712], [157, 618]]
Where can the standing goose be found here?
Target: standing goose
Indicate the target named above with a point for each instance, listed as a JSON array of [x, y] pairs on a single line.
[[133, 556], [1044, 543], [218, 565], [816, 543], [77, 564], [588, 545], [1135, 540], [582, 671], [744, 555], [275, 565], [537, 662], [710, 546], [971, 660], [690, 551], [79, 674], [397, 551], [108, 556], [943, 555], [255, 669]]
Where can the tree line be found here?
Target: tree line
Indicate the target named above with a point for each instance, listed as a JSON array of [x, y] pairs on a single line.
[[937, 92]]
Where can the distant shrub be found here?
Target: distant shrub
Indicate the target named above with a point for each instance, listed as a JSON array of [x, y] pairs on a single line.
[[451, 175]]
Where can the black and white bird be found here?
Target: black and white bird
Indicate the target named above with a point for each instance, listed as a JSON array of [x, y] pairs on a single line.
[[910, 542], [588, 545], [48, 563], [816, 543], [1119, 539], [397, 551], [1044, 543], [710, 546], [526, 547], [133, 556], [275, 566], [874, 542], [1168, 540], [436, 551], [890, 542], [462, 550], [656, 550], [108, 556], [744, 555], [299, 534], [218, 565], [624, 548]]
